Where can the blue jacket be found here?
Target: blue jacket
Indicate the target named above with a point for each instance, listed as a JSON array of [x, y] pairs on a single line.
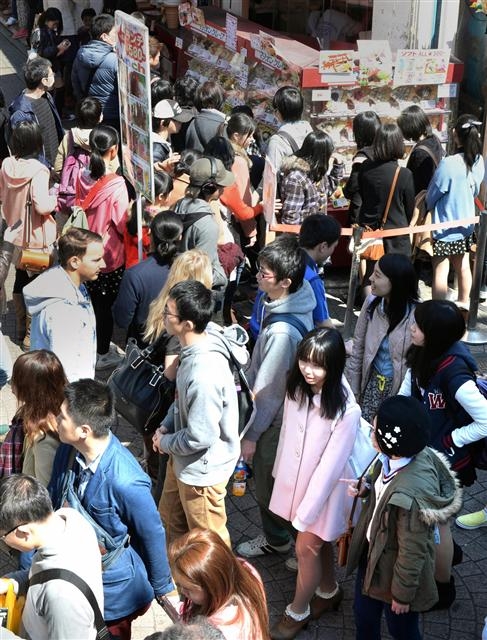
[[21, 111], [95, 74], [118, 498]]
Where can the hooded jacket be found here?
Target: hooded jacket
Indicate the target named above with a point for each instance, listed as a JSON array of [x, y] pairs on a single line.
[[203, 128], [201, 231], [278, 148], [273, 356], [63, 321], [81, 138], [401, 553], [95, 74], [17, 177], [107, 215], [203, 420]]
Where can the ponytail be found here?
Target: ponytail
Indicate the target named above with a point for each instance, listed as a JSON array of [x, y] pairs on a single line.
[[102, 138], [469, 140]]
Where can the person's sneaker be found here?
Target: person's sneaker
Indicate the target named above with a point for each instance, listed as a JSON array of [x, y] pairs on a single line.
[[260, 547], [11, 21], [108, 360], [291, 564], [472, 520]]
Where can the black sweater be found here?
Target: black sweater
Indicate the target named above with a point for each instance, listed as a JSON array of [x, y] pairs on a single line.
[[375, 180]]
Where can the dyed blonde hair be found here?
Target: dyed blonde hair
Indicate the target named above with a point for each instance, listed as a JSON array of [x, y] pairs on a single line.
[[190, 265]]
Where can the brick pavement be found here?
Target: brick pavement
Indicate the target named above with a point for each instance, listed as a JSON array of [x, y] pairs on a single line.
[[464, 621]]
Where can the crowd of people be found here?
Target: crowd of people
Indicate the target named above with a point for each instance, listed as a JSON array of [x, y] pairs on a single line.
[[75, 499]]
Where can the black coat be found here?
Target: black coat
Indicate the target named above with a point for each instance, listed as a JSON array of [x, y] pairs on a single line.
[[375, 180]]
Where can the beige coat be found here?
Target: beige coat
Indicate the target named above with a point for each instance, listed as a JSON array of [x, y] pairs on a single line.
[[369, 333]]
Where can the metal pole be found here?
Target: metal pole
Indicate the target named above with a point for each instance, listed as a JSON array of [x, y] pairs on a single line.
[[139, 226], [474, 335], [352, 283]]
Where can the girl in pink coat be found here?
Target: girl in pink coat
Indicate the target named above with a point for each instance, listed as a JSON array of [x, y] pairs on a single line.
[[320, 423]]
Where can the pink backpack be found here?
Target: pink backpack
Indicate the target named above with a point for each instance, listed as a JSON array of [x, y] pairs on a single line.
[[76, 160]]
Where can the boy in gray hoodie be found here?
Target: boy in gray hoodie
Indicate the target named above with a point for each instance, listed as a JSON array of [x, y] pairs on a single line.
[[200, 431], [287, 315]]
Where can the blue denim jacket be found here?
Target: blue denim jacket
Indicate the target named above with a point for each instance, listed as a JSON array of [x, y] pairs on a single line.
[[119, 499]]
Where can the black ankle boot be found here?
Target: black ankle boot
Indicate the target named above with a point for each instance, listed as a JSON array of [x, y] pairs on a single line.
[[446, 595]]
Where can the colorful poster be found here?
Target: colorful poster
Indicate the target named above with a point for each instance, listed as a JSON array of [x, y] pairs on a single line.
[[269, 192], [132, 49], [375, 63], [336, 67], [421, 66]]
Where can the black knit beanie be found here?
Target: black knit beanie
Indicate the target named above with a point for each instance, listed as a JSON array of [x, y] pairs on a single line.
[[403, 426]]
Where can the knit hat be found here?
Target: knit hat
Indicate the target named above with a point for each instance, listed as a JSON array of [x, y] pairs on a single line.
[[403, 426]]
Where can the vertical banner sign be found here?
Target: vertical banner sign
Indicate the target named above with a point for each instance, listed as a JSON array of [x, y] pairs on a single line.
[[132, 50]]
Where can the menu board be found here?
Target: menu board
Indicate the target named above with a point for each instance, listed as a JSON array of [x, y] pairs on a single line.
[[421, 66], [132, 50]]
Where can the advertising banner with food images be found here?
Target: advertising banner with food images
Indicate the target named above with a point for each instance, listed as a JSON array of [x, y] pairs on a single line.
[[132, 50], [421, 66], [336, 67], [375, 63]]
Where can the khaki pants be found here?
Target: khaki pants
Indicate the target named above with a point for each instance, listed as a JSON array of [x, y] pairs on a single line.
[[184, 507]]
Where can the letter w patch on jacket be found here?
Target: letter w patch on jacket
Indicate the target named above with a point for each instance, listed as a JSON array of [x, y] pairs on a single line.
[[436, 400]]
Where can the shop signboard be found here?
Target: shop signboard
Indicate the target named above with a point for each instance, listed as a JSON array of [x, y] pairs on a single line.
[[132, 50]]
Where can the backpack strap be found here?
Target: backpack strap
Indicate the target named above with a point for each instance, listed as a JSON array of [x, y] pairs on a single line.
[[94, 190], [79, 583], [284, 135], [288, 318]]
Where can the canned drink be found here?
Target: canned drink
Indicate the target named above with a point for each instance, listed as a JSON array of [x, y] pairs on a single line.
[[238, 489]]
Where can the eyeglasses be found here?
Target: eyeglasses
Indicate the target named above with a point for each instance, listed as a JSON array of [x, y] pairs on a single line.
[[167, 313], [263, 274], [12, 530]]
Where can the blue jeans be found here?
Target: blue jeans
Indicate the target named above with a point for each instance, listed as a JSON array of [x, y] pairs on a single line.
[[368, 614]]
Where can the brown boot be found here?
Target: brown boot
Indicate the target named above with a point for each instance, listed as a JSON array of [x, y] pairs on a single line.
[[287, 628], [20, 313], [319, 606], [25, 346]]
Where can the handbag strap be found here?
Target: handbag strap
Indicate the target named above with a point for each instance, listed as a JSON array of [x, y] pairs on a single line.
[[27, 236], [359, 482], [427, 150], [389, 199], [79, 583]]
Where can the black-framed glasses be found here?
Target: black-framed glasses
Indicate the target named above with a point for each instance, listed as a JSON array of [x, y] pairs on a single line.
[[2, 537], [166, 313], [264, 274]]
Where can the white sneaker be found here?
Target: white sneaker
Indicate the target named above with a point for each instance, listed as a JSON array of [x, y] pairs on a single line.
[[11, 21], [260, 547], [108, 360]]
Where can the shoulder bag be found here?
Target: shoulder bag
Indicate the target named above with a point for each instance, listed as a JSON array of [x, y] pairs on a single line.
[[344, 541], [373, 248], [141, 390], [69, 576], [33, 259]]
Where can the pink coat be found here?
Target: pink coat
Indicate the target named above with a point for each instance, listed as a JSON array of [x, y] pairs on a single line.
[[309, 461], [17, 176], [107, 215]]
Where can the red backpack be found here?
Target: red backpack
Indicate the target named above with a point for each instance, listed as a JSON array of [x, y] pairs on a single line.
[[76, 159]]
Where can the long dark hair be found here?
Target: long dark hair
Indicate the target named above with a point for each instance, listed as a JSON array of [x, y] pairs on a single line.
[[442, 324], [404, 288], [102, 138], [325, 348], [469, 140], [316, 150]]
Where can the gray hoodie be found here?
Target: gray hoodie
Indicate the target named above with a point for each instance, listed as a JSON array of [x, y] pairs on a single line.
[[278, 148], [203, 420], [63, 321], [273, 356], [201, 232]]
